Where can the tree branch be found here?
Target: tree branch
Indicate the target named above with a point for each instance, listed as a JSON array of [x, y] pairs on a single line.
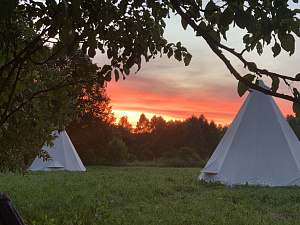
[[214, 45]]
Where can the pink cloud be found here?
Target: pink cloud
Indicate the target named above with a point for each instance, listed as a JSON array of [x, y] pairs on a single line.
[[162, 97], [217, 101]]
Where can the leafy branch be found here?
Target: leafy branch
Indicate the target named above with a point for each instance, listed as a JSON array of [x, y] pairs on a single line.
[[216, 46]]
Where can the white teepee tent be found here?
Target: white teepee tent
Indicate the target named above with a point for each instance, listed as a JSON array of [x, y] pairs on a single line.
[[63, 154], [259, 148]]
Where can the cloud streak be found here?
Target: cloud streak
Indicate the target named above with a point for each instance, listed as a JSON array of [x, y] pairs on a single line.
[[168, 97]]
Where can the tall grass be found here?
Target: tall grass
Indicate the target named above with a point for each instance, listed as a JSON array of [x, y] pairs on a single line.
[[145, 195]]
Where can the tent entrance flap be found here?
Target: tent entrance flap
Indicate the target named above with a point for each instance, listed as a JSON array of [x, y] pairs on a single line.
[[55, 165]]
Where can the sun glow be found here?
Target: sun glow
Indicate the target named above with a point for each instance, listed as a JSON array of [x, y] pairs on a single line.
[[133, 117]]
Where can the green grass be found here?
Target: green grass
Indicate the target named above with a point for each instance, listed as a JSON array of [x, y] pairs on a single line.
[[145, 195]]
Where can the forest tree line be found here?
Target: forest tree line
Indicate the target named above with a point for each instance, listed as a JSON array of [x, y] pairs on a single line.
[[181, 143], [100, 141]]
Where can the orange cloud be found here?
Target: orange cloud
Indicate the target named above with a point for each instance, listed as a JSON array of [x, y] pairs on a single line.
[[159, 97], [139, 94]]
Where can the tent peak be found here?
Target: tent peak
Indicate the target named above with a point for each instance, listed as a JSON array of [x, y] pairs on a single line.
[[261, 84]]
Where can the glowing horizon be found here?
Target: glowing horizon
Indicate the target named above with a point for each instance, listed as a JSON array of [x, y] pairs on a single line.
[[133, 116]]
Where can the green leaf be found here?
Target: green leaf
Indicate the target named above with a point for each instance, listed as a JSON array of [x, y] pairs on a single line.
[[296, 109], [105, 69], [4, 97], [117, 76], [39, 24], [202, 26], [178, 44], [252, 66], [246, 38], [215, 35], [7, 7], [287, 42], [20, 86], [165, 50], [50, 94], [126, 71], [109, 53], [187, 59], [178, 55], [276, 49], [91, 52], [259, 48], [296, 93], [210, 9], [275, 83], [244, 19], [130, 61], [52, 32], [65, 34], [295, 1], [184, 23], [242, 88], [226, 17], [170, 53], [240, 19], [108, 76], [295, 25], [78, 88], [66, 71]]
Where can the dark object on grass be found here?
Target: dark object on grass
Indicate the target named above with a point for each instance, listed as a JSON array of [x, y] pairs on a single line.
[[8, 213]]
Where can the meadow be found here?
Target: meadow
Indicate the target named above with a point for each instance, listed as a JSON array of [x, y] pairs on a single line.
[[145, 195]]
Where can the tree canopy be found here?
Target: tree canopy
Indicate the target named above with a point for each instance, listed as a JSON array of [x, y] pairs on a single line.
[[129, 31]]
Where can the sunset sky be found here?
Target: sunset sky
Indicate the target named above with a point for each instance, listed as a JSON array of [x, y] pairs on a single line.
[[168, 88]]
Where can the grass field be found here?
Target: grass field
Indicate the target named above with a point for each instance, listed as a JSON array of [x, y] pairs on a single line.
[[145, 195]]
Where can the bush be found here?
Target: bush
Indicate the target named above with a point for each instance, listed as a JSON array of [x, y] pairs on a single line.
[[179, 162], [188, 154], [185, 157], [117, 154], [90, 158]]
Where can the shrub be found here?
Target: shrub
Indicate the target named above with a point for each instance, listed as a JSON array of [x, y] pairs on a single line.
[[117, 154], [185, 157]]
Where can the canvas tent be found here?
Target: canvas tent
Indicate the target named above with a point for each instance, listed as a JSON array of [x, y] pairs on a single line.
[[64, 156], [259, 148]]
